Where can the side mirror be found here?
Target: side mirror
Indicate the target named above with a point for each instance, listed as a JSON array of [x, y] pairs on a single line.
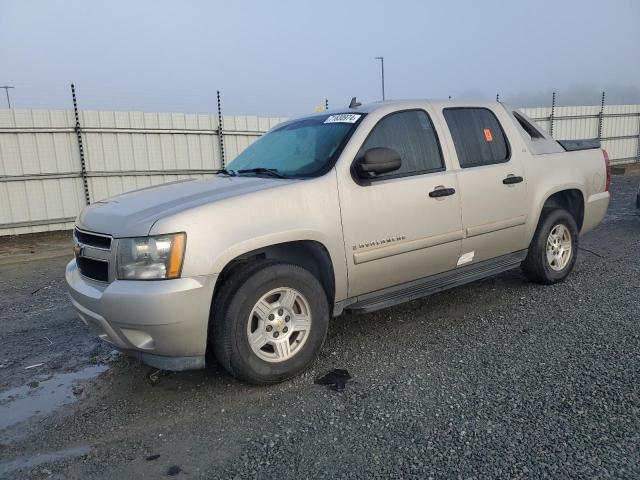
[[379, 160]]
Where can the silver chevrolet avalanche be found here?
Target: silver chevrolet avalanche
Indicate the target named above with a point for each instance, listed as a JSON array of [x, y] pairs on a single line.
[[356, 209]]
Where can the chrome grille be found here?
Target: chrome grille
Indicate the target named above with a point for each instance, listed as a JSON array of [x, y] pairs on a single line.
[[93, 239], [93, 254], [96, 269]]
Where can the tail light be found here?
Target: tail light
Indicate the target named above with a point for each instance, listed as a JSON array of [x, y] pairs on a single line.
[[607, 164]]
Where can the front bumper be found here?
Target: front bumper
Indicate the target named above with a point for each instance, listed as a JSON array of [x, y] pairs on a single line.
[[161, 322]]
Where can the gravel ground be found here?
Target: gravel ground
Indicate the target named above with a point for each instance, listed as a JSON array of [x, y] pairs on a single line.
[[497, 379]]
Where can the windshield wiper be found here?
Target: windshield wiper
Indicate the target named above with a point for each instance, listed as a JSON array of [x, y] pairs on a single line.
[[273, 172], [231, 173]]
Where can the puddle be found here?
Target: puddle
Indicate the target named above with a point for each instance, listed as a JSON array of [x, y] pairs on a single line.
[[41, 398], [40, 458]]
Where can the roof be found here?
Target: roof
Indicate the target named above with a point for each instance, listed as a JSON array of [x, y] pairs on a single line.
[[398, 104]]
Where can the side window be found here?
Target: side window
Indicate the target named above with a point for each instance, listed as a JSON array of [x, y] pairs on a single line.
[[412, 135], [477, 135]]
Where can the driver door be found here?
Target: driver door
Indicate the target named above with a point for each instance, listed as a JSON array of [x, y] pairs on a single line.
[[395, 228]]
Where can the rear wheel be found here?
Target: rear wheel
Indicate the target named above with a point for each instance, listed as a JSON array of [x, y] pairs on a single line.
[[269, 322], [553, 249]]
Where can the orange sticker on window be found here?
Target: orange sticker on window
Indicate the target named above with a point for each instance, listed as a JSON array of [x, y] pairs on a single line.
[[487, 135]]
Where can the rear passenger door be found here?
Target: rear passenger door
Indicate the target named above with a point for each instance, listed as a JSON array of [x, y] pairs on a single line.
[[492, 185]]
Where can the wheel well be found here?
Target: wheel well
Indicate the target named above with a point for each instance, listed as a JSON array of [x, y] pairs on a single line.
[[308, 254], [571, 200]]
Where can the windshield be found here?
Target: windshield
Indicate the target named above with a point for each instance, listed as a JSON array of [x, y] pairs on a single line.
[[302, 148]]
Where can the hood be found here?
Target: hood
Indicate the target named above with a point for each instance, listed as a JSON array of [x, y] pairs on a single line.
[[134, 213]]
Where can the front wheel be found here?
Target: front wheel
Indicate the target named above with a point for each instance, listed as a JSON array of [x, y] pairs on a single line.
[[269, 322], [553, 249]]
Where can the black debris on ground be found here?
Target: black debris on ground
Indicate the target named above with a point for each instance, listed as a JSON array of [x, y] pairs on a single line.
[[174, 470], [337, 379]]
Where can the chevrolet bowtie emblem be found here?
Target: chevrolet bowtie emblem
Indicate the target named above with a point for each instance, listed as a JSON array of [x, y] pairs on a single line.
[[77, 250]]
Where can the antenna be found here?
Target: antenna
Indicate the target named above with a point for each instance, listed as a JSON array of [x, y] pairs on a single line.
[[382, 68], [354, 103]]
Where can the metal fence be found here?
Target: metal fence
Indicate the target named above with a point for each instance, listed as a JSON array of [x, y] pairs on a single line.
[[53, 162], [617, 127], [50, 167]]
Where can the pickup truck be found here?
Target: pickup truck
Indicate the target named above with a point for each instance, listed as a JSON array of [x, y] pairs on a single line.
[[354, 210]]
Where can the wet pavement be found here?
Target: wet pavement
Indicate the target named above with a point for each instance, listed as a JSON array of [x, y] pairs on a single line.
[[41, 397], [30, 461], [500, 378]]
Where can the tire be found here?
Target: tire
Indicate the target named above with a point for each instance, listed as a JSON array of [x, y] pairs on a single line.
[[289, 294], [537, 267]]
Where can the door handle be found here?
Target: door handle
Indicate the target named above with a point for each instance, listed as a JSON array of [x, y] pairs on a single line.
[[441, 192], [511, 179]]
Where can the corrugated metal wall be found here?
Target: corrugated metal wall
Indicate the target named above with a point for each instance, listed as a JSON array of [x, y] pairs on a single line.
[[41, 187], [620, 127], [39, 164]]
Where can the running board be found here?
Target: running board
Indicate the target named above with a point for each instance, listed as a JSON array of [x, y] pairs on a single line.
[[426, 286]]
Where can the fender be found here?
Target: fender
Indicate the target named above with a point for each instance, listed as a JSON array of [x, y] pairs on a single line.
[[237, 249], [539, 199]]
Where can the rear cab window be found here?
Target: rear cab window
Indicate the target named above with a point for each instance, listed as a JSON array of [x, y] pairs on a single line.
[[530, 129], [477, 135]]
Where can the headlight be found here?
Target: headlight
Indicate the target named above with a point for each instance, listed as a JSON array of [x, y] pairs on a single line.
[[148, 258]]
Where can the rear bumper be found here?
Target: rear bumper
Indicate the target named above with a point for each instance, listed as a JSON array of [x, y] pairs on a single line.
[[163, 323], [595, 210]]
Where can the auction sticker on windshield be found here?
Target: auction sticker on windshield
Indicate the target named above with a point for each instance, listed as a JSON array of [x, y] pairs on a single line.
[[343, 118]]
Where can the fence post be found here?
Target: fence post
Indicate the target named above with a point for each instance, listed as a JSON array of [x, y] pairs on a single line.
[[78, 130], [220, 131], [553, 111], [600, 117], [638, 146]]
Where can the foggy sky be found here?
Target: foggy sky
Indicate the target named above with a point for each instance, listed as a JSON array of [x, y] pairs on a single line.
[[285, 57]]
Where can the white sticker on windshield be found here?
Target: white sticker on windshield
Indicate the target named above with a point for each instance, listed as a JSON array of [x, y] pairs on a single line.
[[343, 118]]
